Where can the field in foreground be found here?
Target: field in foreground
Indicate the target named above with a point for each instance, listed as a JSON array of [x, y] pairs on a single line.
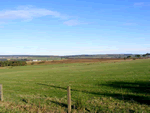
[[101, 87]]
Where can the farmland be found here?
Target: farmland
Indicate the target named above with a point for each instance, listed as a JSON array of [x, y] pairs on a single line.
[[106, 86], [79, 60]]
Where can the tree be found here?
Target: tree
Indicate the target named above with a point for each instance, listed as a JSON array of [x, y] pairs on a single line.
[[138, 56], [128, 56], [144, 55]]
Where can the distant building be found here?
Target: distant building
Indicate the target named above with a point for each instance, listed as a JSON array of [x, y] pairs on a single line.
[[35, 60]]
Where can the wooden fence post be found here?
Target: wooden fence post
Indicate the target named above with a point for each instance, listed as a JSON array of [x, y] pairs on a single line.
[[1, 92], [69, 99]]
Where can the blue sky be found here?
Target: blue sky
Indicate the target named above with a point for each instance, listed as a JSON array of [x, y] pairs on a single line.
[[69, 27]]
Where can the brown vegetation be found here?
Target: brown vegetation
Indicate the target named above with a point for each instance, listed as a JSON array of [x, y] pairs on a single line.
[[85, 60]]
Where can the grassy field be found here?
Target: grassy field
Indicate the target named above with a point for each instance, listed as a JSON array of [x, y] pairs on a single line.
[[121, 87]]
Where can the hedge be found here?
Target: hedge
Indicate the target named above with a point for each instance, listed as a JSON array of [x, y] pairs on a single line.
[[12, 63]]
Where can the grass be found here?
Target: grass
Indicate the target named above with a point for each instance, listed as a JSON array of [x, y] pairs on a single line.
[[122, 87]]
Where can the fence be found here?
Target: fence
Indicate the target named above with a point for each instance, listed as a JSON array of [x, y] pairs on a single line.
[[68, 95], [1, 92]]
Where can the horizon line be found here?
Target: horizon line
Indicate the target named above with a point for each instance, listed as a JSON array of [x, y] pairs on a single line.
[[71, 55]]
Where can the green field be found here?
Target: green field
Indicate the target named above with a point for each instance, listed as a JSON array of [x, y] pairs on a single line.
[[121, 87]]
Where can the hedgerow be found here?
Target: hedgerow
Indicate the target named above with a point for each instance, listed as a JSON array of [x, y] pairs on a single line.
[[12, 63]]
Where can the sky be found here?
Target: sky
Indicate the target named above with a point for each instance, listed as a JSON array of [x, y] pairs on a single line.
[[71, 27]]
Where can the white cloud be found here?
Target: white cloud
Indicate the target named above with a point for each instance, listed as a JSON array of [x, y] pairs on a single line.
[[27, 12]]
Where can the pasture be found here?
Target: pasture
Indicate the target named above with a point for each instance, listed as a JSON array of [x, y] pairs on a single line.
[[122, 87]]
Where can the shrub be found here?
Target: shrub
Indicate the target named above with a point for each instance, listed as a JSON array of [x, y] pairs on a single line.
[[138, 56], [128, 56], [32, 63], [41, 62]]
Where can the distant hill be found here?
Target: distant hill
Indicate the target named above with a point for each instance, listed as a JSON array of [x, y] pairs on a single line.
[[100, 56], [71, 56]]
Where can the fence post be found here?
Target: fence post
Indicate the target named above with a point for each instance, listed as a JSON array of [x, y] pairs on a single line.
[[69, 99], [1, 92]]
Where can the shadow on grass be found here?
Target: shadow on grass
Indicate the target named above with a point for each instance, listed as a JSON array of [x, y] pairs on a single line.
[[52, 86], [139, 91], [136, 87], [56, 87], [59, 103], [62, 104], [127, 97]]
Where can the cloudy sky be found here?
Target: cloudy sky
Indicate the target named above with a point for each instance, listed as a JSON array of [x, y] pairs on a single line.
[[69, 27]]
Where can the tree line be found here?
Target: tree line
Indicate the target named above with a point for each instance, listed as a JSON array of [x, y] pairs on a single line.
[[12, 63], [138, 56]]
